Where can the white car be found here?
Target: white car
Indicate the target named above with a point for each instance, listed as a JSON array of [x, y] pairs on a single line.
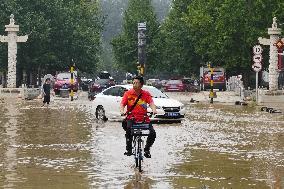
[[107, 104]]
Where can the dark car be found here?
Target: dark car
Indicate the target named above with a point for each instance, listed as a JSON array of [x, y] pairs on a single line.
[[104, 75], [175, 85], [84, 84], [155, 83], [98, 86], [63, 80], [191, 85]]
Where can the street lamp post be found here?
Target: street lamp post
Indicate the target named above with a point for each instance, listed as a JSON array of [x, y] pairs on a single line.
[[211, 82], [141, 48]]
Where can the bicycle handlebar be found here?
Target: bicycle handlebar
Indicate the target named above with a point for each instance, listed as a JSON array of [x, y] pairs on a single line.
[[149, 114]]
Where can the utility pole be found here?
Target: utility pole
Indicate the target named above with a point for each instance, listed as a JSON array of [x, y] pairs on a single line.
[[72, 82], [211, 82], [141, 48]]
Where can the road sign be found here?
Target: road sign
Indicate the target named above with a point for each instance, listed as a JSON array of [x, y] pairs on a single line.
[[142, 26], [279, 44], [257, 49], [257, 58], [257, 67]]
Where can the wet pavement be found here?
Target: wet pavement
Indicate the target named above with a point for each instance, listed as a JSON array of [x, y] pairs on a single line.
[[64, 146]]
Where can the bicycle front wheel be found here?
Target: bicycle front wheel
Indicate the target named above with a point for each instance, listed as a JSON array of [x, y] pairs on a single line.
[[136, 161], [140, 163]]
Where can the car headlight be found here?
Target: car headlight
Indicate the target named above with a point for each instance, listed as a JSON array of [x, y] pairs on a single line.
[[182, 107]]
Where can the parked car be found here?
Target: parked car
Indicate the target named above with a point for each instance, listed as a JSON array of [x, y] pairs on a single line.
[[98, 86], [154, 82], [175, 85], [164, 82], [219, 78], [63, 80], [107, 104], [104, 75], [191, 85], [84, 84]]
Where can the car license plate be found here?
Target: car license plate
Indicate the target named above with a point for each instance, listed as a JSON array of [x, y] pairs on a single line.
[[141, 132], [145, 132], [172, 114]]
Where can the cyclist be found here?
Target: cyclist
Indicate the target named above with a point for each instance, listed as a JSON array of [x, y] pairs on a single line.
[[138, 112]]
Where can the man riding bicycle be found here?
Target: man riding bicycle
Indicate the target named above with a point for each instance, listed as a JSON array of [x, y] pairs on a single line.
[[138, 112]]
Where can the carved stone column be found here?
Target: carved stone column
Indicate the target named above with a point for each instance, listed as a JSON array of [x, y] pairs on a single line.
[[12, 40], [274, 33]]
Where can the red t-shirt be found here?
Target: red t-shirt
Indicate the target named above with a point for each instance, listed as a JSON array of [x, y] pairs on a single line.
[[140, 109]]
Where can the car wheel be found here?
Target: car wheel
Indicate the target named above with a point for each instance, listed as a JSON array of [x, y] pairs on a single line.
[[100, 113], [91, 97], [56, 92]]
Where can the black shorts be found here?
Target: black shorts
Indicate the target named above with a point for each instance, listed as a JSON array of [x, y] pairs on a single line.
[[46, 99]]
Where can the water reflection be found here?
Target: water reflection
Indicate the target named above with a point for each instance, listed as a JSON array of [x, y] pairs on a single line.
[[10, 157], [63, 146]]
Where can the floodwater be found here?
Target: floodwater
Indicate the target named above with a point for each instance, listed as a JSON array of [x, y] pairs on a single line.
[[64, 146]]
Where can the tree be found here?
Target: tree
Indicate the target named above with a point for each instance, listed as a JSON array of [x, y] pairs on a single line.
[[176, 44], [112, 11], [162, 8], [60, 33], [224, 32]]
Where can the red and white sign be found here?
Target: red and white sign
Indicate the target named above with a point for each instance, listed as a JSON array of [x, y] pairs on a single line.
[[257, 58], [257, 67], [257, 49]]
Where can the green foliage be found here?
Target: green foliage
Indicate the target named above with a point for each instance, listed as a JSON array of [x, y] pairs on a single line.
[[176, 45], [125, 44], [60, 33], [224, 32]]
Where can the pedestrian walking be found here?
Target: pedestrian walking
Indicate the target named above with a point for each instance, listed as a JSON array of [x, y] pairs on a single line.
[[46, 92]]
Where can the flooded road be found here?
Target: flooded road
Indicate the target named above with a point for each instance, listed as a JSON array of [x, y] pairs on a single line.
[[64, 146]]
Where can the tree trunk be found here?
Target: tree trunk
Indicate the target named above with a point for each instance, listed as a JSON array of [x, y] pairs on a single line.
[[4, 79], [39, 76]]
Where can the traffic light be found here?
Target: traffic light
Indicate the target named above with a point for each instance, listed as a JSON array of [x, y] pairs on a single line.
[[138, 69]]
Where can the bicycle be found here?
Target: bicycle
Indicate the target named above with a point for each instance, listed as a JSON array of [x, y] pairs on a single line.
[[138, 130]]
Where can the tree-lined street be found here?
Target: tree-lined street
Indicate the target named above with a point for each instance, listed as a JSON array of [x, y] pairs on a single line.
[[79, 48]]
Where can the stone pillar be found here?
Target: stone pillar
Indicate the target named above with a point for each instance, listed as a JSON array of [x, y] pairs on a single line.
[[12, 40], [12, 57], [274, 33]]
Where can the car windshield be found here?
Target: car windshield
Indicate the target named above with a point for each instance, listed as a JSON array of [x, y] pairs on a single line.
[[218, 73], [187, 81], [155, 93], [104, 75], [102, 81], [174, 82], [63, 76], [215, 73]]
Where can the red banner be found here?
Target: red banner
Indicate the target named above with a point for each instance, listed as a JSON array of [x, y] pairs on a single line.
[[280, 57]]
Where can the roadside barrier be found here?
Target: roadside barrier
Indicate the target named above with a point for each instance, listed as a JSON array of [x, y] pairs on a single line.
[[269, 110], [241, 103]]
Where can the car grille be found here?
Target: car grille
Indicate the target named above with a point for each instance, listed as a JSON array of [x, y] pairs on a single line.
[[169, 117], [171, 109]]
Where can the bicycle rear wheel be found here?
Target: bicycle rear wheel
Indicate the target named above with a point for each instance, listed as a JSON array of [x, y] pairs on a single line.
[[140, 155], [140, 162], [136, 152]]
